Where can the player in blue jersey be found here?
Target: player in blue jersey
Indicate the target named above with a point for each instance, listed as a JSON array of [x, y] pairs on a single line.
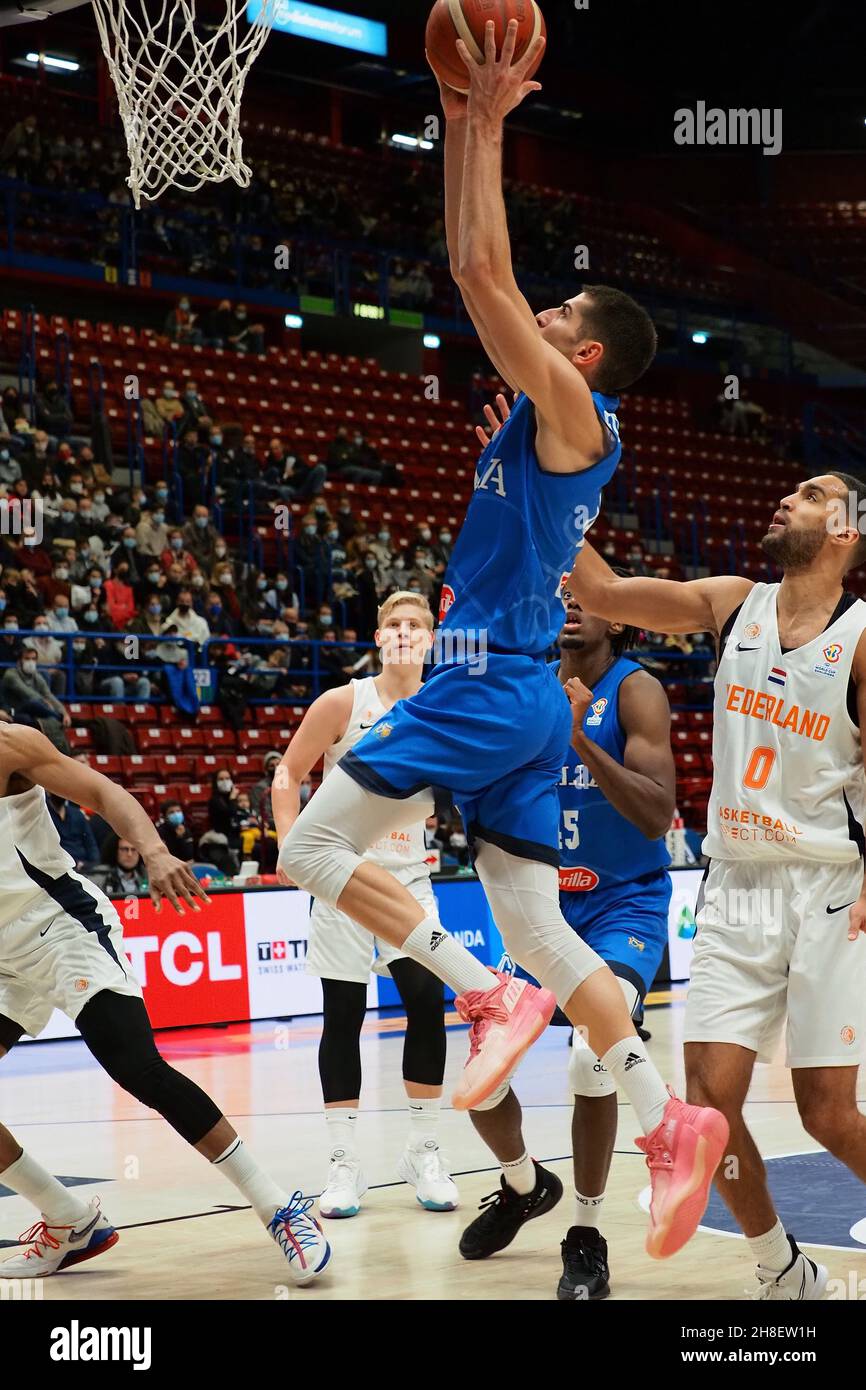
[[616, 796], [493, 729]]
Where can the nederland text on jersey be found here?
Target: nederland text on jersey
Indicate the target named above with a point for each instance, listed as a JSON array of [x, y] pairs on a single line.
[[760, 704]]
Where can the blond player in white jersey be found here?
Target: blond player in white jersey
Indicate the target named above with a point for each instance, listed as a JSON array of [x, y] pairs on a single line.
[[342, 953], [780, 931]]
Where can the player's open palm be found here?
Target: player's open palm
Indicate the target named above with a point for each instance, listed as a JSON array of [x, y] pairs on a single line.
[[499, 84], [454, 103], [857, 918], [494, 421], [170, 878]]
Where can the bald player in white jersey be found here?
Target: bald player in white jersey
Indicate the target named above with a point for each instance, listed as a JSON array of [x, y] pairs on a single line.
[[780, 930], [61, 946]]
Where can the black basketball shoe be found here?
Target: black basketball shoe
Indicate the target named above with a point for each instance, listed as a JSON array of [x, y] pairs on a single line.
[[504, 1212], [585, 1275]]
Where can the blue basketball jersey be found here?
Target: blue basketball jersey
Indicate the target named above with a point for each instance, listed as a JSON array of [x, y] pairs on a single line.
[[600, 848], [521, 535]]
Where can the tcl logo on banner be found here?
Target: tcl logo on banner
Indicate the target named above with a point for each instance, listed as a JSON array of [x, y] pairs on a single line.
[[193, 968]]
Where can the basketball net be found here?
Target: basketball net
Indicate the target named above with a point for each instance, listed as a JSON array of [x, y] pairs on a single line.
[[180, 79]]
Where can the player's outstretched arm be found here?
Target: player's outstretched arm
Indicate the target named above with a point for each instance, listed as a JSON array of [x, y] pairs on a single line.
[[659, 605], [33, 756], [643, 786], [505, 322]]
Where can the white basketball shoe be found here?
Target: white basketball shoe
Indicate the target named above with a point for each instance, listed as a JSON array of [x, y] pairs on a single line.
[[345, 1186], [802, 1281], [53, 1248], [301, 1239], [424, 1169]]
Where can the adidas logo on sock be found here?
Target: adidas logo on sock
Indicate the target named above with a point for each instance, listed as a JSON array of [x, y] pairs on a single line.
[[632, 1060], [436, 939]]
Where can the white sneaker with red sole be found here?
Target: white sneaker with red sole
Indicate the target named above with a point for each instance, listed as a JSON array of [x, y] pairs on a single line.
[[53, 1248]]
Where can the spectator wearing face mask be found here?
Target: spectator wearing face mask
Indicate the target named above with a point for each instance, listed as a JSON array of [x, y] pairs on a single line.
[[189, 624], [200, 537], [196, 413], [66, 526], [59, 616], [443, 547], [120, 596], [85, 662], [323, 623], [287, 477], [311, 556], [25, 692], [49, 655], [382, 549], [168, 404], [151, 533], [224, 813], [90, 591], [11, 644], [243, 335], [127, 551], [175, 834], [176, 553], [180, 324]]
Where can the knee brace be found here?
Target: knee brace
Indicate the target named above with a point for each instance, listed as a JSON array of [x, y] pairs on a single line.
[[328, 840], [524, 899], [586, 1075]]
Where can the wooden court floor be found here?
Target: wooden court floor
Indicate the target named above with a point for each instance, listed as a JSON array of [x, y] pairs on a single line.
[[184, 1235]]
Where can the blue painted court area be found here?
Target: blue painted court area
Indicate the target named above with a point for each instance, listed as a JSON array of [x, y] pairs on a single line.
[[818, 1200]]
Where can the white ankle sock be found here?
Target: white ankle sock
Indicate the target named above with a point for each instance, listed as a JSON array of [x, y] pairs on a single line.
[[423, 1121], [631, 1068], [432, 946], [587, 1209], [340, 1123], [771, 1249], [58, 1204], [520, 1175], [263, 1194]]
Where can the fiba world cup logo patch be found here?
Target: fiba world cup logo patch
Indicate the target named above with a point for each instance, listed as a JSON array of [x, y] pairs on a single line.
[[833, 652], [596, 712], [831, 655]]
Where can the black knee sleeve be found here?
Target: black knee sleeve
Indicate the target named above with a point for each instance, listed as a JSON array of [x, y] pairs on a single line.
[[117, 1031], [10, 1032], [345, 1003], [423, 999]]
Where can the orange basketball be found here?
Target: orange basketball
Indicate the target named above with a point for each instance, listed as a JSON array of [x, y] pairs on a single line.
[[465, 19]]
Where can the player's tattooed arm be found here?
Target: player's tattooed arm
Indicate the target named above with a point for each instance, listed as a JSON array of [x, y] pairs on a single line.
[[659, 605], [32, 756], [857, 915], [643, 786]]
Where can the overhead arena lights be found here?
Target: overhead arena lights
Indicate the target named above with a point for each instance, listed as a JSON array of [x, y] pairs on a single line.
[[49, 60], [411, 142], [700, 337], [294, 321], [432, 340]]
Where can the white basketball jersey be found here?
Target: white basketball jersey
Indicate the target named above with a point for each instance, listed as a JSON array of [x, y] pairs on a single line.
[[26, 829], [402, 849], [788, 767]]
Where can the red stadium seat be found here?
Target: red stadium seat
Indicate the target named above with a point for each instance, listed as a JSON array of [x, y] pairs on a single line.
[[186, 739], [79, 739], [107, 765], [174, 767], [151, 740], [141, 768]]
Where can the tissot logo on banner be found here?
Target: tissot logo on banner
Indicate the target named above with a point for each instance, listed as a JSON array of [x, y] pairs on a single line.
[[198, 961], [277, 931]]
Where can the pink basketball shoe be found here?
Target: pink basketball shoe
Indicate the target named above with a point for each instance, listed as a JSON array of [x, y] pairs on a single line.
[[682, 1154], [506, 1019]]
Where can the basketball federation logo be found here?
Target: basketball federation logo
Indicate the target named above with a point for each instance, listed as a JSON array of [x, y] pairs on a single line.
[[847, 1035], [833, 652], [596, 712], [752, 631], [446, 601], [384, 730]]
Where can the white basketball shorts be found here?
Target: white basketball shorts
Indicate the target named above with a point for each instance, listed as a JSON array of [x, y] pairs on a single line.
[[340, 949], [59, 957], [772, 943]]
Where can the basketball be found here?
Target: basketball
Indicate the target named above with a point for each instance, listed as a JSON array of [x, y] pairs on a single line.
[[451, 20]]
